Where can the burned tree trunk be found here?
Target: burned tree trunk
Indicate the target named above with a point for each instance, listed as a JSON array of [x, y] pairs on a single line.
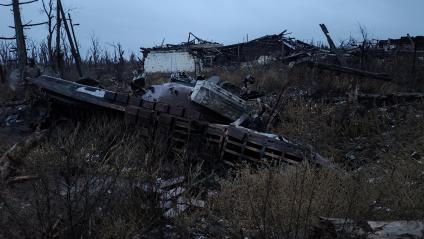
[[73, 35], [58, 55], [14, 156], [48, 10], [20, 38], [71, 42], [333, 47], [2, 77]]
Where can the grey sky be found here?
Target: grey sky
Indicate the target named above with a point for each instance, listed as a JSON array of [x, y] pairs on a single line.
[[146, 23]]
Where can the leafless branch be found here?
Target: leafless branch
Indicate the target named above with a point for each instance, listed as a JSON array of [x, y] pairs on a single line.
[[7, 38], [21, 3], [29, 24]]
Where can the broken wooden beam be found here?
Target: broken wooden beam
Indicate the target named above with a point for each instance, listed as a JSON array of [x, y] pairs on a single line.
[[21, 179], [351, 71], [12, 158], [333, 47], [388, 99]]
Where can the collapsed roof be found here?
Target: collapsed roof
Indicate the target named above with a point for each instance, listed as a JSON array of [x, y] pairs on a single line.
[[212, 53]]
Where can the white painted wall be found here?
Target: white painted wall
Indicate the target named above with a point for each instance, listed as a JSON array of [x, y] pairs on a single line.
[[167, 62]]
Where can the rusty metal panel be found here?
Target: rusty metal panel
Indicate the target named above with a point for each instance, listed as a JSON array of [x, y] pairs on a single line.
[[148, 105], [162, 107], [176, 110], [135, 101], [111, 96], [131, 114], [122, 98], [192, 114]]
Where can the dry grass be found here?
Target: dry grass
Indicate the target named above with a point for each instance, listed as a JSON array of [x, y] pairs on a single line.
[[275, 203], [91, 183]]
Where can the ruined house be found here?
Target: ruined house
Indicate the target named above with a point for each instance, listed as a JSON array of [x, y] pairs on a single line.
[[406, 44], [197, 55], [261, 50], [187, 56]]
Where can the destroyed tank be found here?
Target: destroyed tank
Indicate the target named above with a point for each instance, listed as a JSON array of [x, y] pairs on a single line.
[[186, 113]]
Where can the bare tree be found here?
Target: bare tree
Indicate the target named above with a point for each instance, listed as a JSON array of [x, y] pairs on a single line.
[[4, 58], [106, 56], [59, 56], [74, 51], [365, 41], [33, 49], [5, 55], [43, 57], [121, 53], [19, 31], [48, 10], [66, 58], [364, 33], [95, 50]]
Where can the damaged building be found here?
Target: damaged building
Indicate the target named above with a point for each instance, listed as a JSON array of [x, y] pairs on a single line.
[[406, 44], [197, 54], [187, 56]]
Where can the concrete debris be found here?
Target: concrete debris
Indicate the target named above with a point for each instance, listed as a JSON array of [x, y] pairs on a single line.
[[173, 197], [170, 182], [172, 193], [174, 212], [180, 205], [21, 179]]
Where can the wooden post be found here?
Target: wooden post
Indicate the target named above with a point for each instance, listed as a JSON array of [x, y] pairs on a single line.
[[20, 38], [71, 42]]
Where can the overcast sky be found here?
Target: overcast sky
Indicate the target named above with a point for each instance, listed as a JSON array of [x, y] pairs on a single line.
[[145, 23]]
